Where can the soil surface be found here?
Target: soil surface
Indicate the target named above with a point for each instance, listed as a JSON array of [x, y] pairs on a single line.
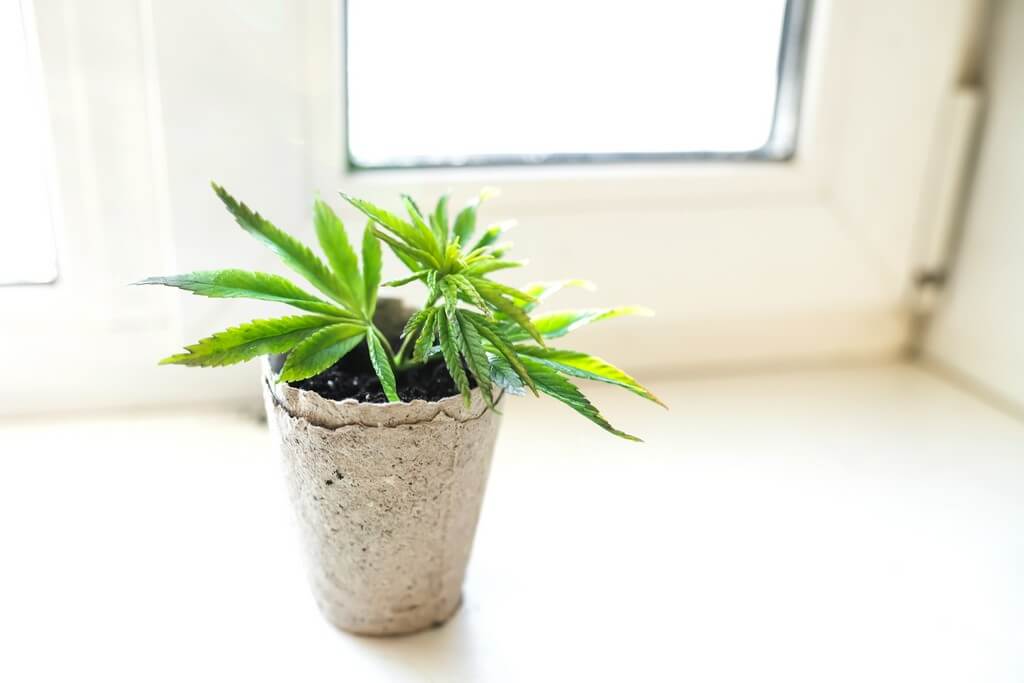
[[353, 377]]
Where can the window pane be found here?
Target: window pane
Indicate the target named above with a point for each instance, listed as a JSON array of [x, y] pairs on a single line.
[[455, 81], [28, 255]]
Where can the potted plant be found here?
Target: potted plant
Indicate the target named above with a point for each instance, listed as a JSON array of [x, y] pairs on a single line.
[[387, 418]]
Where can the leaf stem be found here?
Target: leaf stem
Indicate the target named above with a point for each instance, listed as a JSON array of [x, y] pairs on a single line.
[[401, 350]]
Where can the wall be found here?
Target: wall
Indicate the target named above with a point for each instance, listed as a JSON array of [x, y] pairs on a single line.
[[979, 329]]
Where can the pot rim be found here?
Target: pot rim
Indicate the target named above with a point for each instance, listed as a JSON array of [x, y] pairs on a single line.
[[332, 414]]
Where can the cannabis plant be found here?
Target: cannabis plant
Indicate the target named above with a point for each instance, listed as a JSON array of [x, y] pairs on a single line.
[[479, 328]]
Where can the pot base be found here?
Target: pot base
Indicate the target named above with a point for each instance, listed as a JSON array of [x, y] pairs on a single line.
[[401, 625]]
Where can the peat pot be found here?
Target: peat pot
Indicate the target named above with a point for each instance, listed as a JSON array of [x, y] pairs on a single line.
[[387, 498]]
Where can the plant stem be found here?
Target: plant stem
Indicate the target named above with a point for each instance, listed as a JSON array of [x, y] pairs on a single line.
[[402, 349]]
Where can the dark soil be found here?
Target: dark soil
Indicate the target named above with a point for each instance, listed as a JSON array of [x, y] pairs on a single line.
[[353, 377]]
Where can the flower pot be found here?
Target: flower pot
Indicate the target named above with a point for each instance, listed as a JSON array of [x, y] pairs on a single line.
[[387, 498]]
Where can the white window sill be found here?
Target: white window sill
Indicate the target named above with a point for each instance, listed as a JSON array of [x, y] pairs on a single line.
[[858, 524]]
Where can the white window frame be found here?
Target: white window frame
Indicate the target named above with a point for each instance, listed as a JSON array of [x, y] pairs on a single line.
[[850, 195], [745, 261]]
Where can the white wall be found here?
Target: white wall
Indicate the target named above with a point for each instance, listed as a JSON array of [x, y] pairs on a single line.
[[979, 330]]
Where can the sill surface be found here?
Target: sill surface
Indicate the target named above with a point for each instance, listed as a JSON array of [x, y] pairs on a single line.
[[857, 524]]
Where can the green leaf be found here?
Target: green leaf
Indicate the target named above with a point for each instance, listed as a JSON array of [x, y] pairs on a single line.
[[476, 356], [503, 347], [320, 351], [451, 299], [551, 383], [432, 288], [407, 233], [292, 252], [439, 220], [587, 367], [382, 366], [558, 324], [243, 284], [466, 287], [493, 234], [510, 292], [249, 340], [430, 242], [371, 270], [505, 377], [496, 299], [418, 275], [425, 340], [451, 256], [413, 257], [465, 224], [450, 352], [330, 231], [489, 265], [414, 322]]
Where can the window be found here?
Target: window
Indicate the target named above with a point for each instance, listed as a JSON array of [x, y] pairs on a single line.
[[28, 255], [577, 81]]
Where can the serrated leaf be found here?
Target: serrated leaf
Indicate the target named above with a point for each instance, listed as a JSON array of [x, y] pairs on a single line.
[[425, 340], [553, 384], [589, 367], [505, 377], [387, 220], [466, 287], [320, 351], [451, 255], [465, 224], [413, 323], [489, 265], [450, 353], [292, 252], [451, 299], [413, 257], [502, 346], [243, 284], [249, 340], [371, 270], [439, 219], [330, 232], [418, 275], [493, 234], [476, 356], [558, 324], [427, 237], [510, 292], [433, 290], [516, 314], [381, 362]]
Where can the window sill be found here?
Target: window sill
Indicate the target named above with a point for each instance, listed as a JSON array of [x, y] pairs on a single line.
[[860, 523]]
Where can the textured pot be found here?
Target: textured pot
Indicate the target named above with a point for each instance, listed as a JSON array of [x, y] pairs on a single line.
[[387, 498]]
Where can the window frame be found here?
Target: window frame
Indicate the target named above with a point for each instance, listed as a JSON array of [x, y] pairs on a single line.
[[850, 193], [43, 144]]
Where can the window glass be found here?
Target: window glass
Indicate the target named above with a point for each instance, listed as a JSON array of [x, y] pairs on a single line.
[[491, 81]]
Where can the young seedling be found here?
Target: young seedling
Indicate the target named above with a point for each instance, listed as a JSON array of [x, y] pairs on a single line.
[[479, 328]]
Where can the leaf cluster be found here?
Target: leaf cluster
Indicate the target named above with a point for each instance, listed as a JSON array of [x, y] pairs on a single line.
[[343, 309], [478, 327]]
